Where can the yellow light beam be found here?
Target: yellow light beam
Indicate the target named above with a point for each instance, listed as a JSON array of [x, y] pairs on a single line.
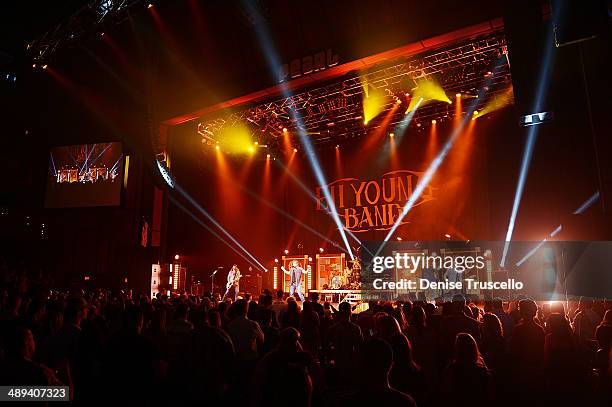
[[428, 89]]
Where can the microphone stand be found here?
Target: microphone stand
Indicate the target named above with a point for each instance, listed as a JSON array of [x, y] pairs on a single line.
[[212, 283]]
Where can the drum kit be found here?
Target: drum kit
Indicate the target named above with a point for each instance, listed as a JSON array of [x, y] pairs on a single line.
[[347, 279]]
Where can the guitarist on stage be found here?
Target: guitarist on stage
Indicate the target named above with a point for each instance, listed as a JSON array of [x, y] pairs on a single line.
[[233, 278]]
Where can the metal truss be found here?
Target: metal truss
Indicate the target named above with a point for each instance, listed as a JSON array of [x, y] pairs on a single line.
[[334, 111], [90, 19]]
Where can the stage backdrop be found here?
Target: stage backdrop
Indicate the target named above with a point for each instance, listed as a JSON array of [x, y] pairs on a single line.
[[274, 205]]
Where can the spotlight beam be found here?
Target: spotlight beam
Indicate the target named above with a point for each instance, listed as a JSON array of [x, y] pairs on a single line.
[[289, 216], [527, 153], [209, 229], [273, 62], [53, 164], [587, 204], [531, 139], [398, 133], [431, 170], [579, 211], [426, 178], [217, 224], [310, 194]]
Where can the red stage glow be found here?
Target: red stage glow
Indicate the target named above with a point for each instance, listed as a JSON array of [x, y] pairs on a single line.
[[393, 155], [230, 195], [339, 171], [432, 144], [267, 178]]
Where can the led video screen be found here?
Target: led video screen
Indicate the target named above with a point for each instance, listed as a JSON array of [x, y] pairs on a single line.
[[85, 175]]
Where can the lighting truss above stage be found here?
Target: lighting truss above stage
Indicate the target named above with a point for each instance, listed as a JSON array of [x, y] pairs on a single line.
[[334, 112], [90, 19]]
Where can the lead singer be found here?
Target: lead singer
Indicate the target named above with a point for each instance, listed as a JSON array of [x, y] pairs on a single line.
[[296, 272]]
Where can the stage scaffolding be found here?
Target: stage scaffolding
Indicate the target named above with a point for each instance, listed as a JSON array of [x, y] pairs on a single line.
[[333, 112]]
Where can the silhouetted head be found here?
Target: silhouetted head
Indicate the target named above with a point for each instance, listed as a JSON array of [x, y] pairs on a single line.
[[387, 326], [528, 309], [344, 310], [418, 316], [402, 350], [289, 340], [559, 326], [22, 343], [376, 358], [265, 316], [466, 350], [76, 311], [491, 326], [458, 304], [240, 308], [603, 335]]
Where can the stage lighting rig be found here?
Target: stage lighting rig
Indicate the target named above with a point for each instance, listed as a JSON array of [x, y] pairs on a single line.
[[89, 19], [335, 111]]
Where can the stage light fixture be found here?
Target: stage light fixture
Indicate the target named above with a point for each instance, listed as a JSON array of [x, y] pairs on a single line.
[[286, 251], [251, 150], [149, 5], [295, 150], [256, 143], [217, 147], [321, 250], [284, 130], [399, 239], [267, 155], [433, 121], [275, 260], [458, 95], [337, 146], [391, 135], [176, 257], [44, 66], [497, 102], [429, 90], [447, 235], [535, 119]]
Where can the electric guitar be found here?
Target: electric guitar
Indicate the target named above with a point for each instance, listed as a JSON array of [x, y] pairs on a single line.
[[230, 284]]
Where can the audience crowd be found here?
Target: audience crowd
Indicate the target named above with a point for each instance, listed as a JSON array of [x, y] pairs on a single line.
[[274, 350]]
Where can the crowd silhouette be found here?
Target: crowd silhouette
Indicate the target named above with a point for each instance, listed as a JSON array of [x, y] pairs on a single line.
[[116, 346]]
